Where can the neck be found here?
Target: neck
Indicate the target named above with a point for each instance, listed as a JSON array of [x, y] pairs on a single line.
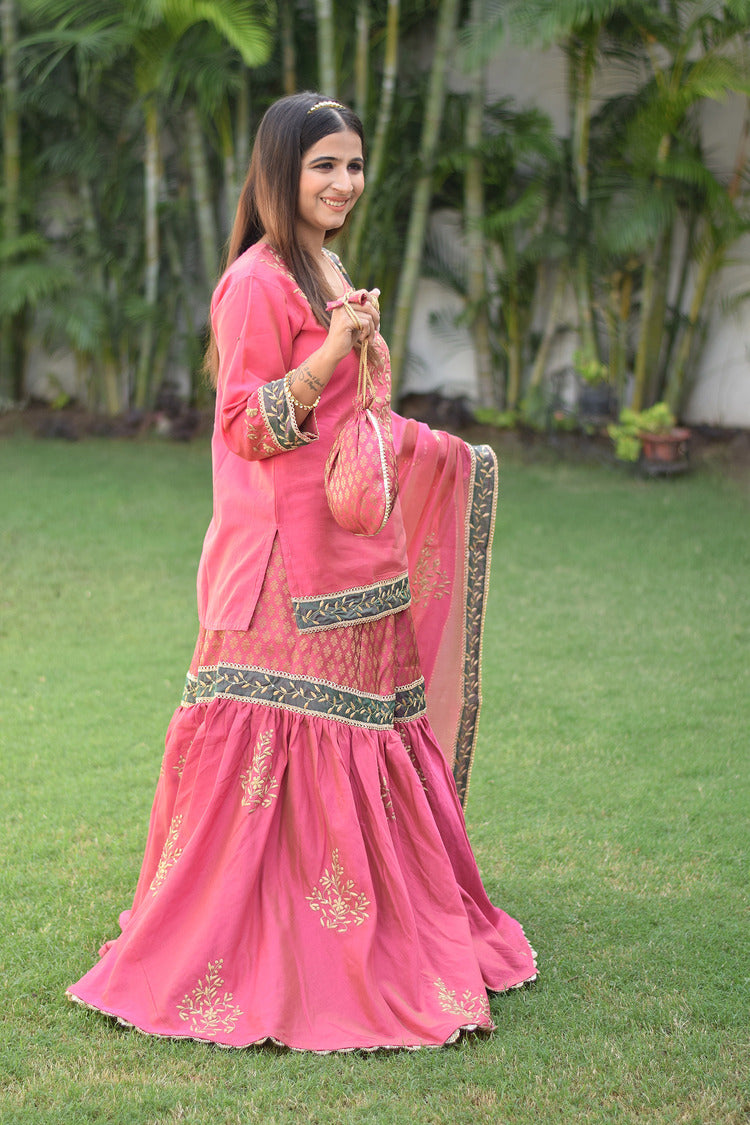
[[312, 242]]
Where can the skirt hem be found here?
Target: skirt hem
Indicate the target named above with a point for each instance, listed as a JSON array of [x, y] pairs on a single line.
[[480, 1029]]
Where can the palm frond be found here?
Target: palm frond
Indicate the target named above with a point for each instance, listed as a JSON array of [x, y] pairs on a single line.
[[246, 26], [25, 245], [635, 220], [29, 283], [523, 210]]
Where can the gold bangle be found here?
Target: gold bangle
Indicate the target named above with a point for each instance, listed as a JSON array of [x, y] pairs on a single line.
[[295, 401]]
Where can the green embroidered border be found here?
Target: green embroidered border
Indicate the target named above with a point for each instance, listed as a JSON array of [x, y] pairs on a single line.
[[480, 530], [304, 695], [366, 603], [279, 418]]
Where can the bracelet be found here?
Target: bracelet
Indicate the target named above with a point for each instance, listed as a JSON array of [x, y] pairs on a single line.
[[295, 401]]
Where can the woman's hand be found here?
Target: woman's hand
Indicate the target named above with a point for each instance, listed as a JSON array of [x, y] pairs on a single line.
[[351, 324], [354, 322]]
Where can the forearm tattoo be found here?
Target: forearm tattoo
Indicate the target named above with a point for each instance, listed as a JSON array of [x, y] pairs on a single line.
[[303, 375]]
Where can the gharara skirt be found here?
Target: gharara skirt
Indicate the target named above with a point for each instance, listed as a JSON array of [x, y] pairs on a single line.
[[307, 876]]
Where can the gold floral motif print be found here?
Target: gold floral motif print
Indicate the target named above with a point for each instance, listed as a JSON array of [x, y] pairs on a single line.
[[340, 905], [207, 1009], [385, 796], [179, 765], [259, 785], [169, 855], [413, 759], [469, 1007], [429, 581]]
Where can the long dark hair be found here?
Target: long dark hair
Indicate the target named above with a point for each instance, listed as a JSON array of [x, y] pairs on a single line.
[[268, 200]]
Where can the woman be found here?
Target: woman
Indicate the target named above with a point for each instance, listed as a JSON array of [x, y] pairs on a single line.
[[307, 877]]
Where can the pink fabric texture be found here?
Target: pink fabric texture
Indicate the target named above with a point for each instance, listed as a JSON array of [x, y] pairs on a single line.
[[306, 880], [268, 476], [307, 876]]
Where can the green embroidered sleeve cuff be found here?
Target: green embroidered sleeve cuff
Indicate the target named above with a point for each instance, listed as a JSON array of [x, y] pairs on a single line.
[[271, 422]]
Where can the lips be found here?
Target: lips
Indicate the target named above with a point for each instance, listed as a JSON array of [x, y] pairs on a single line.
[[334, 204]]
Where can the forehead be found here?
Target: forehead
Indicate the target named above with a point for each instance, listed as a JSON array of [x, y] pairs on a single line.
[[345, 145]]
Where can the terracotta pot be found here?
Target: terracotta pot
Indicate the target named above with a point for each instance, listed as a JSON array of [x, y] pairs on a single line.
[[670, 446]]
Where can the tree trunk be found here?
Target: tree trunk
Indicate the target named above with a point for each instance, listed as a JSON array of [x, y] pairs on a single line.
[[711, 259], [105, 390], [231, 187], [550, 328], [362, 59], [433, 115], [512, 318], [326, 48], [649, 295], [143, 380], [377, 156], [474, 215], [9, 375], [242, 141], [201, 182], [581, 65], [288, 55]]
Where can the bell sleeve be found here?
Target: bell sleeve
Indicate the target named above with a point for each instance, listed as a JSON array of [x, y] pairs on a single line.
[[254, 334]]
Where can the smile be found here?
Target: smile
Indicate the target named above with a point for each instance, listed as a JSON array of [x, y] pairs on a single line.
[[336, 204]]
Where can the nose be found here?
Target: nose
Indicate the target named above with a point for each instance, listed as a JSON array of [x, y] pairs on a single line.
[[343, 181]]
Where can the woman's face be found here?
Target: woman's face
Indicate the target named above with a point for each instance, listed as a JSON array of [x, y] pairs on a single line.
[[331, 181]]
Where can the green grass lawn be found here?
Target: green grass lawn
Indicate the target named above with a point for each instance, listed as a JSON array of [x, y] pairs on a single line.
[[608, 806]]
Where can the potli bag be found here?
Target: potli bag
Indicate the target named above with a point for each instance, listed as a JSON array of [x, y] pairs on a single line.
[[361, 479]]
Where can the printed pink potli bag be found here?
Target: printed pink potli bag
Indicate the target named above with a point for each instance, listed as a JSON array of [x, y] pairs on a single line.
[[361, 476]]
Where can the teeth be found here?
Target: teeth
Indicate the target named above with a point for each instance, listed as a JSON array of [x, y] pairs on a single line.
[[336, 203]]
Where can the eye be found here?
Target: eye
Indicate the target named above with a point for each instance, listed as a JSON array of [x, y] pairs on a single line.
[[357, 167], [325, 166]]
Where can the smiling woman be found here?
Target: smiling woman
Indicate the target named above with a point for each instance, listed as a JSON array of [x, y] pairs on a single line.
[[331, 182], [307, 875]]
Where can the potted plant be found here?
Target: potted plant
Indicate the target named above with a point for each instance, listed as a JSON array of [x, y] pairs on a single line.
[[651, 432]]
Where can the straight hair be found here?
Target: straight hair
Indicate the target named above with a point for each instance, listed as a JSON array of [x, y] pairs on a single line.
[[267, 206]]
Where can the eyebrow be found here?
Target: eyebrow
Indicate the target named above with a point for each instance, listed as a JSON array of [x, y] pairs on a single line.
[[353, 159]]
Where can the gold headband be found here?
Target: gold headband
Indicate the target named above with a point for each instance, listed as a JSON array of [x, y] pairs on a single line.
[[325, 105]]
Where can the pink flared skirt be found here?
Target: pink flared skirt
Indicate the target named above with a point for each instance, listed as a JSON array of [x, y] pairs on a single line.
[[307, 877]]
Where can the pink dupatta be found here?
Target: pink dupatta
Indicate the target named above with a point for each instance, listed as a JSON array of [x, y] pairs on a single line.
[[448, 497]]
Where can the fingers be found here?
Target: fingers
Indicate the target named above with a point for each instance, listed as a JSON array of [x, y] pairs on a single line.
[[360, 320]]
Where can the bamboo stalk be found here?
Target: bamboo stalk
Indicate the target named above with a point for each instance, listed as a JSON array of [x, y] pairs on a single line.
[[550, 328], [288, 53], [711, 261], [362, 58], [433, 114], [326, 51], [201, 185], [376, 159], [474, 215], [9, 388], [143, 381]]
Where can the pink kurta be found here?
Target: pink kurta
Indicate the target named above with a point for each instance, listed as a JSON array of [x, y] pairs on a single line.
[[307, 876]]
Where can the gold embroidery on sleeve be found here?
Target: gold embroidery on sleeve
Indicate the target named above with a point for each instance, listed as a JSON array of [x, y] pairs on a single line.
[[340, 905]]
